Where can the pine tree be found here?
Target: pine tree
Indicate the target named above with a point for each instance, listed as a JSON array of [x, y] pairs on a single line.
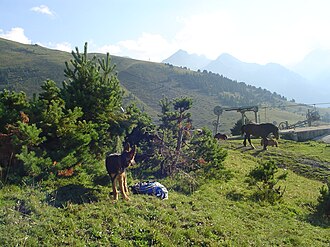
[[11, 104], [94, 87], [67, 136], [236, 130], [182, 105]]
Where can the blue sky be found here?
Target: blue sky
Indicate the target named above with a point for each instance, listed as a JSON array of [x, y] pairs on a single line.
[[261, 31]]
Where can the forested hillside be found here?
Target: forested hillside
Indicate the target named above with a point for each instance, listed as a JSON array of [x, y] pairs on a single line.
[[26, 67]]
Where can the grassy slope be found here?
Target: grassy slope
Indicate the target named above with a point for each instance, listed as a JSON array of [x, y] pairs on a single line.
[[33, 65], [219, 213]]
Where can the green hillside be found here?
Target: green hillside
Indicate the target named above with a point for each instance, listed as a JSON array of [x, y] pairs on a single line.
[[77, 212], [26, 67]]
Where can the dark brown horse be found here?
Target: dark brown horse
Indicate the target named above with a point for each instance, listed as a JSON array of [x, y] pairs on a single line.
[[259, 130]]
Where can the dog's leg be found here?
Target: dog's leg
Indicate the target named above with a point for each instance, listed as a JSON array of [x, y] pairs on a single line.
[[125, 184], [122, 187], [114, 178], [115, 191]]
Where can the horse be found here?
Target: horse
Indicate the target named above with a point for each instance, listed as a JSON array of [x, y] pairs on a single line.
[[220, 136], [259, 130], [116, 165]]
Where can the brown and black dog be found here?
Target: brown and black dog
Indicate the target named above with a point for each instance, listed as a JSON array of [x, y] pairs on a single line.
[[220, 136], [270, 142], [116, 165]]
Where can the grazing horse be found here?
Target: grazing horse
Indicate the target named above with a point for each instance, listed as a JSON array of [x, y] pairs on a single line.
[[259, 130], [220, 136], [116, 165]]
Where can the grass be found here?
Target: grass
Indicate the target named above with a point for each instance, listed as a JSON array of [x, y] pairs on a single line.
[[310, 159], [79, 212]]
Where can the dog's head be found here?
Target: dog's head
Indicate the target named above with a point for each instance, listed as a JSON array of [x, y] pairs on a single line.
[[128, 155]]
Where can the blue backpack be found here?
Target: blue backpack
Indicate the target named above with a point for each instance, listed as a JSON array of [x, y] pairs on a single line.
[[150, 188]]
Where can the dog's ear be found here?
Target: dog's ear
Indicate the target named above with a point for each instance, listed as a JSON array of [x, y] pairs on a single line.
[[127, 147], [132, 152]]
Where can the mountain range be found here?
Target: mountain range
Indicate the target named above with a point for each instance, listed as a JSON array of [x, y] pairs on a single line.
[[306, 82]]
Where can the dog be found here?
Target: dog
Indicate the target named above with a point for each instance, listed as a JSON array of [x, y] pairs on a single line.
[[116, 165], [220, 136], [271, 142]]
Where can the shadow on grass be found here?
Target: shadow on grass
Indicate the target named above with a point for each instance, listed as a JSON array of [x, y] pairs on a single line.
[[72, 193], [257, 152], [250, 149], [244, 148], [321, 216], [319, 219], [235, 196], [103, 180]]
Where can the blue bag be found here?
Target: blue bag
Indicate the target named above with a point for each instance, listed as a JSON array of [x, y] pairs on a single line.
[[151, 188]]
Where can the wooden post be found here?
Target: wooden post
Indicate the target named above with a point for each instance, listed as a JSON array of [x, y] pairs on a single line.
[[243, 117], [216, 127]]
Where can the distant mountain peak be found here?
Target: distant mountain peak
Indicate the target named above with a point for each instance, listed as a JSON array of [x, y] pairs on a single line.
[[181, 51], [184, 59], [227, 56]]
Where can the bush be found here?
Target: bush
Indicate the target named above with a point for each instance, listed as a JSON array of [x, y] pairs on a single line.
[[263, 177], [208, 154], [236, 130], [324, 200], [34, 166]]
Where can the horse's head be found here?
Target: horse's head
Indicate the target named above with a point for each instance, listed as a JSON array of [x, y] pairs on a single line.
[[275, 132]]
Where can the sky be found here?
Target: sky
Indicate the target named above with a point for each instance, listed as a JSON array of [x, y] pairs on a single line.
[[258, 31]]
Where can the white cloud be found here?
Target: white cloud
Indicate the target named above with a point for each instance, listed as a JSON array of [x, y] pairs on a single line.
[[42, 9], [112, 49], [209, 34], [15, 34], [148, 46], [63, 46], [253, 35]]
